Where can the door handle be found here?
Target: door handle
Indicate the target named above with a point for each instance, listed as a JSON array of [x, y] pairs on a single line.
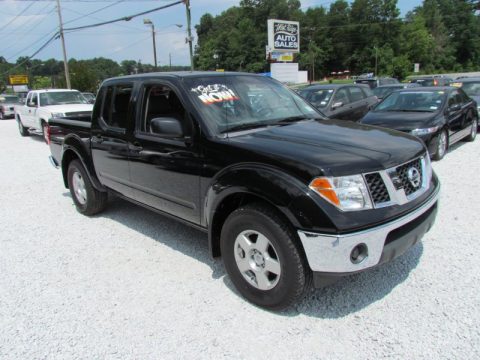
[[97, 139]]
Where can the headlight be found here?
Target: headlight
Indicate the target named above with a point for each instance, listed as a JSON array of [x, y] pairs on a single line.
[[425, 131], [348, 193], [57, 115]]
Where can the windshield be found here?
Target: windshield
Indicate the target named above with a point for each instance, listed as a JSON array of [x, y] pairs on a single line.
[[9, 99], [319, 97], [382, 92], [472, 88], [414, 101], [61, 98], [241, 102]]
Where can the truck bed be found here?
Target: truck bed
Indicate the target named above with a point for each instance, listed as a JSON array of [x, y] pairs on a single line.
[[60, 128]]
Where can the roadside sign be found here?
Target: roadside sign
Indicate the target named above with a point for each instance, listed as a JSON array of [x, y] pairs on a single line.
[[416, 67], [18, 79]]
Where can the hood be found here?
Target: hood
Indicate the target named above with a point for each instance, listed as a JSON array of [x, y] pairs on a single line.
[[403, 121], [66, 108], [331, 147]]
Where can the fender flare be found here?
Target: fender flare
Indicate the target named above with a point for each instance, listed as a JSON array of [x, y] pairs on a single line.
[[73, 147], [286, 193]]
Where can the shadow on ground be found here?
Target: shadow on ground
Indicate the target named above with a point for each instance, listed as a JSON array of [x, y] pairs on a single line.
[[347, 296]]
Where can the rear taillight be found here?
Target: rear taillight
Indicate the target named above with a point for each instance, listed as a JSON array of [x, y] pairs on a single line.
[[48, 134], [435, 83]]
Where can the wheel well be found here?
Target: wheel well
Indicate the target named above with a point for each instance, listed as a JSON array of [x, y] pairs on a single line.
[[67, 158], [225, 208]]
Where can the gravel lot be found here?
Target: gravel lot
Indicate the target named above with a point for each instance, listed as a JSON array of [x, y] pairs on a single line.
[[130, 284]]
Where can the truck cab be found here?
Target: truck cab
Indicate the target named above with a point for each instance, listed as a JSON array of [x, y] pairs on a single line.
[[285, 195]]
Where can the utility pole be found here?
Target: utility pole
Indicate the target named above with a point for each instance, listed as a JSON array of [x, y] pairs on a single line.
[[189, 33], [170, 60], [149, 22], [376, 61], [62, 37]]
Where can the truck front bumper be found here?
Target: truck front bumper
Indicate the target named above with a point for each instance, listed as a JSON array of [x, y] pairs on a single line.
[[330, 256]]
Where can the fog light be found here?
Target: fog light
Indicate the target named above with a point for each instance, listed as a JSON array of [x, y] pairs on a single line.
[[359, 253]]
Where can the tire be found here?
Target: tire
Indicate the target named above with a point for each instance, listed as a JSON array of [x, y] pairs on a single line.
[[255, 239], [45, 132], [442, 145], [473, 131], [22, 129], [88, 200]]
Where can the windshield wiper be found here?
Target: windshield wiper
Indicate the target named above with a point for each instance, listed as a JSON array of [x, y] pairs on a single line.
[[247, 126]]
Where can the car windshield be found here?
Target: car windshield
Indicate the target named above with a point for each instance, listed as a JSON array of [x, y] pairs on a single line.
[[382, 92], [471, 88], [240, 102], [413, 101], [318, 97], [9, 99], [88, 96], [61, 98]]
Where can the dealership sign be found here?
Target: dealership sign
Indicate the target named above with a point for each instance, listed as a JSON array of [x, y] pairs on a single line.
[[284, 35], [18, 79]]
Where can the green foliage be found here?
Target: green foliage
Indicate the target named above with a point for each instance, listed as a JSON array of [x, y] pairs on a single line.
[[41, 82], [441, 35]]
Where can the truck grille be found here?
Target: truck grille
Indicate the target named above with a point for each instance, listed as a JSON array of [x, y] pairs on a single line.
[[402, 172], [78, 113], [377, 188]]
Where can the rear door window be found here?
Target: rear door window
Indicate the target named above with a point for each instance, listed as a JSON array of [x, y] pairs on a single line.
[[115, 110], [356, 94], [341, 96]]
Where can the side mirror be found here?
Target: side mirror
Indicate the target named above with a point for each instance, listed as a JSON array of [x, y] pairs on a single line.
[[166, 126], [92, 101], [31, 104], [337, 105]]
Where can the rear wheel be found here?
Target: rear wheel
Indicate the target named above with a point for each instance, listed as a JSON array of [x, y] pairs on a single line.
[[263, 258], [87, 199], [442, 145], [473, 131], [22, 129]]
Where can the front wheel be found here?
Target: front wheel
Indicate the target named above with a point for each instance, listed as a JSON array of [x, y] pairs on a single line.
[[87, 199], [473, 131], [22, 129], [442, 145], [262, 257]]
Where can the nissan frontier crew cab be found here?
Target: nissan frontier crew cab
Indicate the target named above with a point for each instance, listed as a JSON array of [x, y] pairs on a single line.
[[286, 196]]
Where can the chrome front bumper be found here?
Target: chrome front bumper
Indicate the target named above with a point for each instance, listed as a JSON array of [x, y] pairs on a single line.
[[328, 253]]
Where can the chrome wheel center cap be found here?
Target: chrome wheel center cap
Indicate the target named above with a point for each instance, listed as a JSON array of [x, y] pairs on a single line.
[[259, 259]]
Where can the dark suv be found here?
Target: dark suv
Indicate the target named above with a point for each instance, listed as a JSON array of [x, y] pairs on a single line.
[[342, 102]]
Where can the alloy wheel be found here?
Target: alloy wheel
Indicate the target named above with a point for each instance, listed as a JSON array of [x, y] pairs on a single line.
[[257, 260]]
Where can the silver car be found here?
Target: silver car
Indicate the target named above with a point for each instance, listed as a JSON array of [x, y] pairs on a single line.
[[7, 106]]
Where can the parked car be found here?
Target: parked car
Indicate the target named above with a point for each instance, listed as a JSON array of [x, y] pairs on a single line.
[[440, 116], [341, 102], [434, 80], [90, 97], [373, 82], [7, 105], [383, 91], [471, 87], [43, 105], [284, 195]]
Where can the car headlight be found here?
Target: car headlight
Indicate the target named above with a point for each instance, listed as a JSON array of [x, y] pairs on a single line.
[[57, 115], [425, 131], [348, 193]]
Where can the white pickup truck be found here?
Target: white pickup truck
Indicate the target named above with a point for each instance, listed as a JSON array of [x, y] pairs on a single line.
[[42, 105]]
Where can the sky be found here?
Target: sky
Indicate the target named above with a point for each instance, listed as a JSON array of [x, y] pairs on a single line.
[[23, 35]]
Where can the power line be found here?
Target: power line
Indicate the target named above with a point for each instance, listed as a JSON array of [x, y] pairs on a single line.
[[94, 12], [33, 43], [125, 18], [16, 17]]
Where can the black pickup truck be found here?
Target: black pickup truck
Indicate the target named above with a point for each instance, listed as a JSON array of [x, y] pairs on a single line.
[[285, 195]]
